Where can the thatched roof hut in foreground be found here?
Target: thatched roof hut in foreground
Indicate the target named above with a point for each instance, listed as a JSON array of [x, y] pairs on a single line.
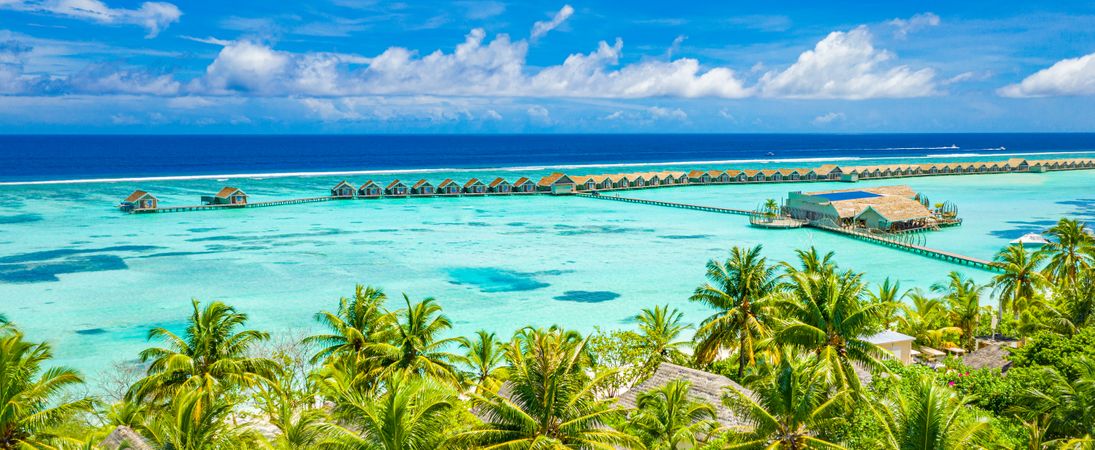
[[124, 437], [705, 387], [989, 357]]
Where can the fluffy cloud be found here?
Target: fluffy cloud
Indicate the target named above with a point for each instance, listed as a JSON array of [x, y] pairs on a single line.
[[539, 29], [589, 76], [1073, 76], [845, 65], [476, 67], [152, 16]]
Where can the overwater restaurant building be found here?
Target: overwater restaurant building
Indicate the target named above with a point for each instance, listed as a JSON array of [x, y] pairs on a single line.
[[886, 208]]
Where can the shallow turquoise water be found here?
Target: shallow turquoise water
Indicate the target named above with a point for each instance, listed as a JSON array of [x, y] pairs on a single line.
[[76, 272]]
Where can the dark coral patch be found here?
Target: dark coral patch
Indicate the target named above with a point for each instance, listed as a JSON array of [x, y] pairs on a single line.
[[588, 296]]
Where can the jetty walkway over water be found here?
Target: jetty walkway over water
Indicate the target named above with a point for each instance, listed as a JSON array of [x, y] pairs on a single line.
[[863, 236]]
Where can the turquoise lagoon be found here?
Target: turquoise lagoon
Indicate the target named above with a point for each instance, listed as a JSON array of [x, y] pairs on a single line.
[[92, 281]]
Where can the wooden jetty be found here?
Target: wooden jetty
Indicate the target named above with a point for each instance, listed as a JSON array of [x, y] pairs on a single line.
[[866, 237], [714, 209]]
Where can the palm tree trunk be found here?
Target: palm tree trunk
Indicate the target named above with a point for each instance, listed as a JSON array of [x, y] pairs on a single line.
[[741, 357]]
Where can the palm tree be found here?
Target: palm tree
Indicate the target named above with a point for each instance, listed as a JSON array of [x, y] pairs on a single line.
[[1072, 253], [964, 297], [548, 401], [771, 207], [737, 289], [925, 319], [666, 418], [1070, 404], [889, 295], [1020, 280], [211, 353], [826, 316], [31, 405], [484, 357], [659, 329], [359, 322], [198, 419], [417, 345], [787, 410], [292, 411], [408, 413], [931, 418], [811, 261]]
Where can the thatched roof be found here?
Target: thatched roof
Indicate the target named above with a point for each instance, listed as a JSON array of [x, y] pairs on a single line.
[[991, 357], [705, 386], [123, 438]]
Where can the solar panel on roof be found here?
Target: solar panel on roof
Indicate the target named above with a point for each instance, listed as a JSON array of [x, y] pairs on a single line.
[[851, 195]]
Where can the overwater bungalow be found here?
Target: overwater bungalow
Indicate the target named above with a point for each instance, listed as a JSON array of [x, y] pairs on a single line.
[[768, 173], [602, 182], [638, 180], [679, 177], [1018, 164], [754, 176], [620, 181], [524, 185], [699, 176], [788, 174], [369, 190], [499, 186], [226, 196], [448, 187], [803, 174], [1036, 166], [829, 172], [139, 201], [422, 188], [719, 176], [583, 183], [343, 190], [556, 184], [929, 169], [737, 176], [653, 179], [396, 189], [475, 187]]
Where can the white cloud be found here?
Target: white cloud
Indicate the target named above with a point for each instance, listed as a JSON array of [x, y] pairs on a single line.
[[828, 118], [902, 27], [1073, 76], [586, 76], [665, 113], [112, 80], [475, 67], [845, 65], [538, 112], [539, 29], [491, 114], [152, 16]]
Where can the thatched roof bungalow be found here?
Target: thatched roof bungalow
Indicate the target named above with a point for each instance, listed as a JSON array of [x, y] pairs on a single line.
[[704, 387]]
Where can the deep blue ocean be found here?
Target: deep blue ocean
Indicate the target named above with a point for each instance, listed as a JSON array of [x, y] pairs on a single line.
[[72, 157]]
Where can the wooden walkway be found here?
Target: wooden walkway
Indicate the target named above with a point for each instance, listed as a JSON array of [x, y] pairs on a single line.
[[291, 201], [875, 239], [740, 212]]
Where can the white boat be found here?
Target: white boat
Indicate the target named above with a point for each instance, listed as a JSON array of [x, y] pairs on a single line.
[[1031, 240]]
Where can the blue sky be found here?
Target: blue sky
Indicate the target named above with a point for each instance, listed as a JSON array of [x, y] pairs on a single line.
[[486, 66]]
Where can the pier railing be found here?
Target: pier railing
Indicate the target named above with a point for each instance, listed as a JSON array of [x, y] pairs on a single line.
[[740, 212]]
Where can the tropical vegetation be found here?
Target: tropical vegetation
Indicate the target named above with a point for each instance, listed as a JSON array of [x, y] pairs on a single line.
[[791, 342]]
